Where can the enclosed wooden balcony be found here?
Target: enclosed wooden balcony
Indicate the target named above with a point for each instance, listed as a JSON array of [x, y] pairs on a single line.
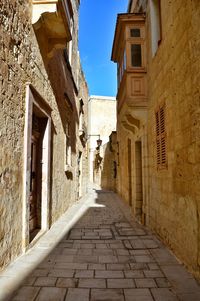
[[129, 52]]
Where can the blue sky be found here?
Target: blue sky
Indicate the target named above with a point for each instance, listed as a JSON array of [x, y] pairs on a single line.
[[96, 32]]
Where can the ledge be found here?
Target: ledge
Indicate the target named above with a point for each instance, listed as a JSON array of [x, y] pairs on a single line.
[[51, 22]]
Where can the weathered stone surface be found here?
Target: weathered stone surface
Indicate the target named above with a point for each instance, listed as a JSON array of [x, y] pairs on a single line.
[[45, 281], [26, 293], [139, 294], [77, 294], [95, 283], [120, 283], [146, 282], [109, 274], [22, 61], [107, 294], [163, 294], [51, 294], [165, 197], [101, 122], [109, 281]]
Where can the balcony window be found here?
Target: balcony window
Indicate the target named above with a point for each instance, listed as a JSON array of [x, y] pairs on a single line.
[[136, 55], [135, 33], [121, 68], [156, 31], [124, 61]]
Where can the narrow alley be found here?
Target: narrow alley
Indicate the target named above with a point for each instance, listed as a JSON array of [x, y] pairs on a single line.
[[99, 254], [100, 150]]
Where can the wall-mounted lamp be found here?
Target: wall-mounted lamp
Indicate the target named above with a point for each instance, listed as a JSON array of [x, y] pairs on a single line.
[[99, 141]]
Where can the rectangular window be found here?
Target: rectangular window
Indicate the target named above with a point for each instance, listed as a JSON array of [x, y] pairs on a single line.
[[161, 137], [68, 146], [136, 55], [121, 67], [118, 74], [156, 26], [124, 61], [135, 32]]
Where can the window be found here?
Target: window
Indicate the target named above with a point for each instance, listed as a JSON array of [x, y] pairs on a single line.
[[136, 55], [81, 112], [121, 67], [124, 61], [81, 122], [68, 146], [161, 137], [70, 42], [114, 169], [135, 32], [156, 32]]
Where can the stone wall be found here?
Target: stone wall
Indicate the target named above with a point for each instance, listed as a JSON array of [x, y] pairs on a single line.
[[110, 163], [132, 175], [102, 121], [170, 194], [21, 63], [83, 134], [174, 78]]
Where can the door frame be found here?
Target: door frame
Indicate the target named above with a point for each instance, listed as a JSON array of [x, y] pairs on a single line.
[[129, 161], [139, 180], [80, 174], [33, 196], [33, 98]]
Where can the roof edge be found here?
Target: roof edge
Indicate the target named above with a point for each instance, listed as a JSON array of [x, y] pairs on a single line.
[[102, 97]]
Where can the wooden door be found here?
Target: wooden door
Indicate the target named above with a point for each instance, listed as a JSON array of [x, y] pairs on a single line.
[[138, 182], [129, 172], [33, 182]]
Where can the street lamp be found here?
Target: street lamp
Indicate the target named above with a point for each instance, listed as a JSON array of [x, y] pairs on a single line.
[[99, 141]]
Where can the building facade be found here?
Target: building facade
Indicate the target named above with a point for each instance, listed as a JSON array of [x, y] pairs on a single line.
[[101, 123], [110, 163], [43, 120], [156, 47]]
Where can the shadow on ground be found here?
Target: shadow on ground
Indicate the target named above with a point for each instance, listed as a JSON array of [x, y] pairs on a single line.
[[107, 256]]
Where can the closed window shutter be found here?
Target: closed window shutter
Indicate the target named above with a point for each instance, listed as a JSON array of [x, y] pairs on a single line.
[[158, 146], [161, 138]]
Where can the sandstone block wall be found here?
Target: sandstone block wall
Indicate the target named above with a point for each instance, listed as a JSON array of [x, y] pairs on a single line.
[[110, 163], [102, 121], [84, 95], [123, 175], [174, 76], [21, 62], [170, 195], [132, 170]]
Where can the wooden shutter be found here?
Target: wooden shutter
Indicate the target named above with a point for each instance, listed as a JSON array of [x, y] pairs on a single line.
[[161, 137], [158, 152]]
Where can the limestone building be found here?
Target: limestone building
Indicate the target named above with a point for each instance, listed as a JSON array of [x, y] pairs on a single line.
[[156, 48], [110, 163], [43, 120], [101, 123]]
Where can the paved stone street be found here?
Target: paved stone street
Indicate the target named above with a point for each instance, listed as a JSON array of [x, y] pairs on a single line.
[[107, 256]]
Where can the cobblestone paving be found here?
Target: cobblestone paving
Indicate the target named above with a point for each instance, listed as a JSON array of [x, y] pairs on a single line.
[[107, 256]]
